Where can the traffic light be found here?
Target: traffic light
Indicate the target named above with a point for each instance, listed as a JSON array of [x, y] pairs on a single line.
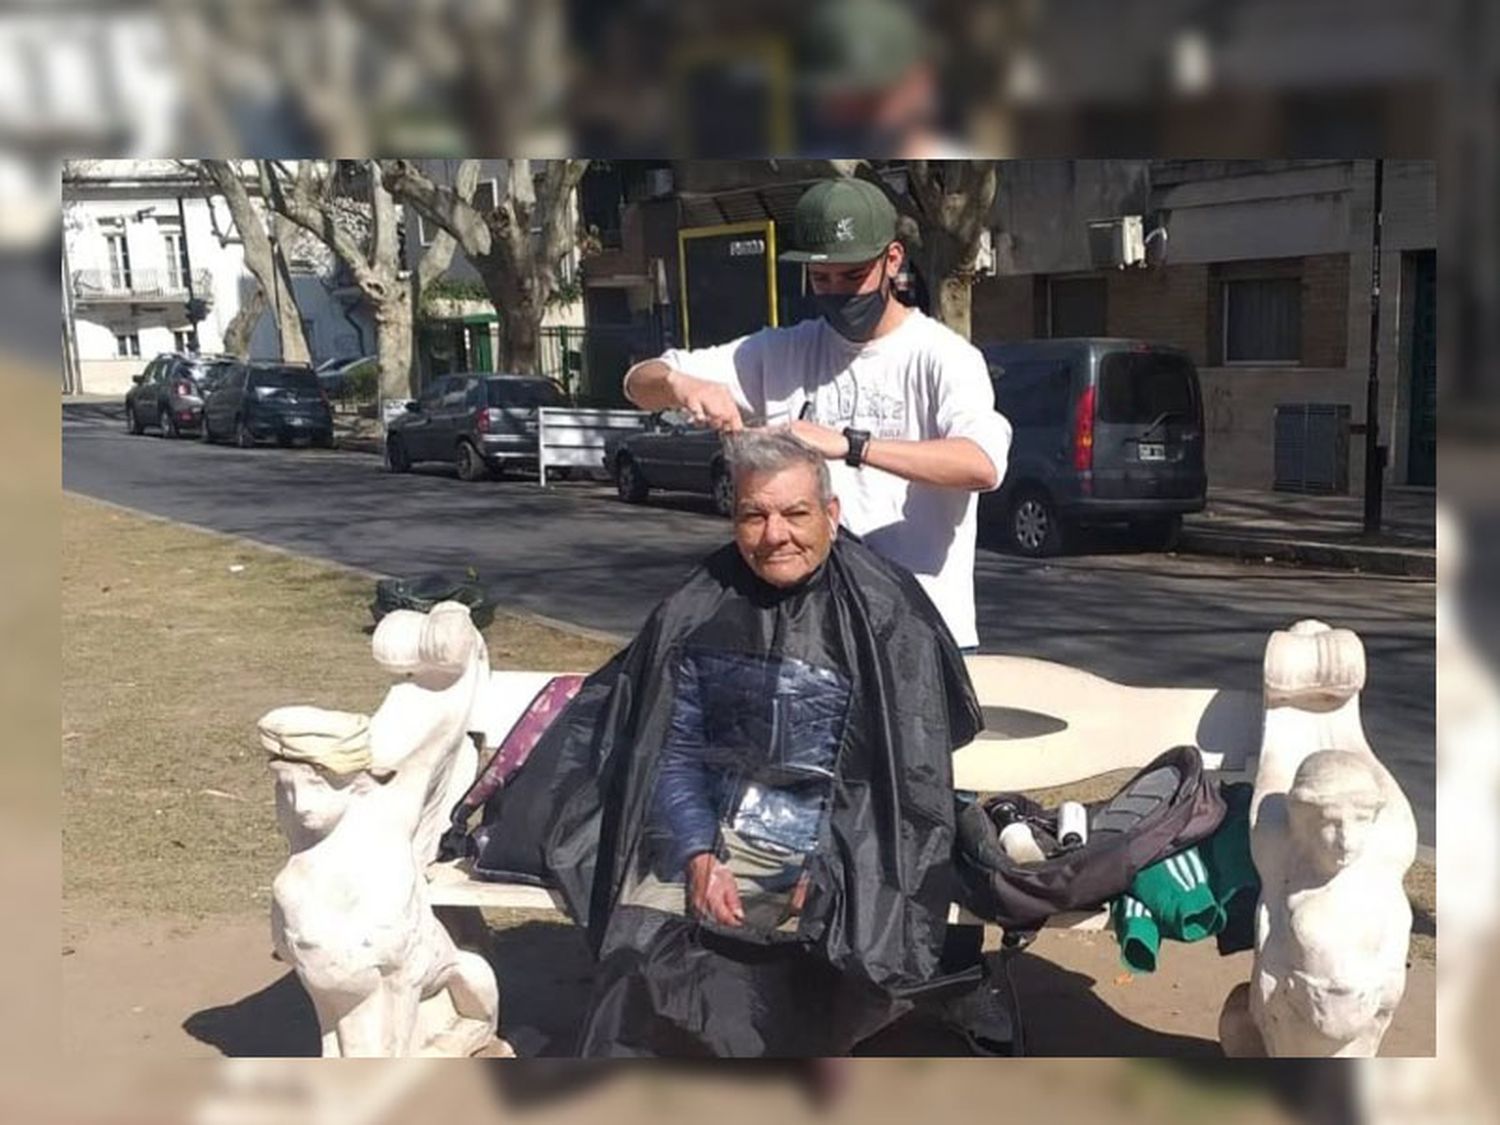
[[196, 309]]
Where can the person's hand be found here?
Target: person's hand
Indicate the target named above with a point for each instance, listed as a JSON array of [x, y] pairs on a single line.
[[712, 891], [832, 444], [706, 403]]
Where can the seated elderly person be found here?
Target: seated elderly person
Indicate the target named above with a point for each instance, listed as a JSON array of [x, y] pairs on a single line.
[[751, 806]]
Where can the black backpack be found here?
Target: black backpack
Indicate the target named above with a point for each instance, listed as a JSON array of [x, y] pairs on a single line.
[[1166, 807]]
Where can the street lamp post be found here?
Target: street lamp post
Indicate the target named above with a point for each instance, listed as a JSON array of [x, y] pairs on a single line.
[[1374, 451]]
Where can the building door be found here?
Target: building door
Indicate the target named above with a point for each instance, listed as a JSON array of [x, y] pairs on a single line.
[[1421, 452], [481, 356]]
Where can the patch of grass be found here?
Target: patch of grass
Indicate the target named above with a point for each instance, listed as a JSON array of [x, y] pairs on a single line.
[[170, 655]]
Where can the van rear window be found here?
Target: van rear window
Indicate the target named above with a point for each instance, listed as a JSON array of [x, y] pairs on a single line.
[[1137, 388], [527, 394]]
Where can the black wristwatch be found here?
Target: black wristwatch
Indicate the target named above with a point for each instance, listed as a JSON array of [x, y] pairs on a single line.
[[858, 441]]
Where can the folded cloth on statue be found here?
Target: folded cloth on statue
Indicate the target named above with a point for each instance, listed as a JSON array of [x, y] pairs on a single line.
[[337, 741]]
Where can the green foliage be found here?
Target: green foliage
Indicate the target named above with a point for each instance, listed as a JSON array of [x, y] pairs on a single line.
[[362, 383]]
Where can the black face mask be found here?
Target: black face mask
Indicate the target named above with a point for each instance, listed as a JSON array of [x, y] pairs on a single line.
[[854, 316]]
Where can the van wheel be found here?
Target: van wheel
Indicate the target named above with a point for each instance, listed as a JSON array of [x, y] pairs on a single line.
[[243, 436], [1160, 534], [167, 423], [396, 458], [471, 466], [629, 483], [723, 490], [1035, 527]]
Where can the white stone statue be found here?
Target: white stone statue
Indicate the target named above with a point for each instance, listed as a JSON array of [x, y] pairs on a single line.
[[362, 802], [1332, 836]]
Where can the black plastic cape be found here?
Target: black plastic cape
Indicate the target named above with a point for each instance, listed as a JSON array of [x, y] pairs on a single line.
[[815, 726]]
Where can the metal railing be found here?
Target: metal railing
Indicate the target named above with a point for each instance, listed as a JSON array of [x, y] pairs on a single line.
[[139, 285]]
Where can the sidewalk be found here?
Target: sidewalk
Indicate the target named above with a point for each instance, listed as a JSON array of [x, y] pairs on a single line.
[[1317, 530]]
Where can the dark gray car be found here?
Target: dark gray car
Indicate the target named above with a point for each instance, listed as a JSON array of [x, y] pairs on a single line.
[[480, 423], [671, 455], [1106, 431], [257, 401]]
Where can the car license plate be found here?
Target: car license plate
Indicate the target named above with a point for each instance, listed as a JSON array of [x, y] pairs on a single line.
[[1153, 451]]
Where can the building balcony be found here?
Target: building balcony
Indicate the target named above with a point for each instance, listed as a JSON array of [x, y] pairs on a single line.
[[93, 287]]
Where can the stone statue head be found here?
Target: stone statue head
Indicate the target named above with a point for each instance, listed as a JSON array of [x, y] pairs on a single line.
[[1333, 804], [321, 761]]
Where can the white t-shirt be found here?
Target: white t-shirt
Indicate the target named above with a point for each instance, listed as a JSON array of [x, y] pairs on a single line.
[[919, 382]]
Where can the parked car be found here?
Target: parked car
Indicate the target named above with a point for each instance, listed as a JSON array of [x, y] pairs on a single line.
[[1106, 431], [256, 401], [168, 394], [481, 423], [670, 454]]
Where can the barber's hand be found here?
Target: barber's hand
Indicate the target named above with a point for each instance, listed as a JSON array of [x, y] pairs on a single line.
[[832, 444], [712, 891], [705, 402]]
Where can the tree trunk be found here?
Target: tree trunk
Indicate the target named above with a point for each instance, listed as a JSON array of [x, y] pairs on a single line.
[[954, 301], [393, 343], [263, 259], [237, 335], [293, 343], [520, 339]]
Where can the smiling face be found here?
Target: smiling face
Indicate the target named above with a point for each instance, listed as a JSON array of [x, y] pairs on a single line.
[[781, 529]]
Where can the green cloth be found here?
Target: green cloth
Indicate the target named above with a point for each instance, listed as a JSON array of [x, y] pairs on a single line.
[[1137, 933], [1193, 894]]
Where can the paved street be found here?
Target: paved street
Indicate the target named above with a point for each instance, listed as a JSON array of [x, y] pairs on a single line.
[[577, 554]]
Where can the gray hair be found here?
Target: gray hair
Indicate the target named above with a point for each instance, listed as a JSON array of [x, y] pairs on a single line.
[[772, 451]]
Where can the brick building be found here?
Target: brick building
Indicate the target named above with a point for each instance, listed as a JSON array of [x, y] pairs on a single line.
[[1259, 269]]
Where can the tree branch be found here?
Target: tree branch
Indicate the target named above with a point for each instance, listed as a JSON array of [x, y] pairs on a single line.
[[438, 204]]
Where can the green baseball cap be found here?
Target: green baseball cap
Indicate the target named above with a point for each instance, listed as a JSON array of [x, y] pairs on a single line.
[[843, 220], [858, 45]]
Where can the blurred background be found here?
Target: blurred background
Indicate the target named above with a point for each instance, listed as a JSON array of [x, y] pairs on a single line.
[[873, 78]]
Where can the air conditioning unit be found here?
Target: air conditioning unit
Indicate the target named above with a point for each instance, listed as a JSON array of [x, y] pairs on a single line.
[[658, 183], [1117, 242]]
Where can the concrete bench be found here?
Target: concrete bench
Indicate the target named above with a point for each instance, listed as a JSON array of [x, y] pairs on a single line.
[[1048, 725]]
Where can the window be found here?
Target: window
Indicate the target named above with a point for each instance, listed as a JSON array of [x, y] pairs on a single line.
[[184, 340], [455, 393], [128, 345], [1140, 388], [485, 195], [1033, 392], [176, 250], [526, 393], [1261, 319], [433, 393], [1076, 306], [285, 379], [119, 261]]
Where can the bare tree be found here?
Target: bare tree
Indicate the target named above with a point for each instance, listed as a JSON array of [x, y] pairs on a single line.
[[360, 225], [263, 256], [944, 213], [519, 270]]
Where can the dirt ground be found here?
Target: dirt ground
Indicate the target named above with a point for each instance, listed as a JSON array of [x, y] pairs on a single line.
[[175, 641]]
